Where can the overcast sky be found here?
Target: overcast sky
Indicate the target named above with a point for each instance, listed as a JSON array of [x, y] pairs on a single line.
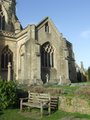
[[71, 17]]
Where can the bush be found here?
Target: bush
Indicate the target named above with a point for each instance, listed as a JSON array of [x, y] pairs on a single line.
[[8, 94]]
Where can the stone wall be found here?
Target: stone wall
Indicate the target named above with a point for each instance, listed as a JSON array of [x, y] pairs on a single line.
[[59, 69], [74, 104]]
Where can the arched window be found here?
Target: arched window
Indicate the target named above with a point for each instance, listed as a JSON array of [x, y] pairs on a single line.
[[47, 28], [47, 55], [2, 19], [6, 57]]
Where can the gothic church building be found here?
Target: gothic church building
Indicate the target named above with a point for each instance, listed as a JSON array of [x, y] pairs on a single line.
[[37, 54]]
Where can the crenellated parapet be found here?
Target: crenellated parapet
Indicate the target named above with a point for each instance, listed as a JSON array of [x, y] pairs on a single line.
[[7, 34]]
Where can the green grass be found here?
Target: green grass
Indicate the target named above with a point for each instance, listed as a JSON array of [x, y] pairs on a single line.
[[15, 114], [12, 115], [69, 91]]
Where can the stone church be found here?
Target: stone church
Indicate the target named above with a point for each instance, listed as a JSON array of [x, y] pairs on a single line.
[[36, 54]]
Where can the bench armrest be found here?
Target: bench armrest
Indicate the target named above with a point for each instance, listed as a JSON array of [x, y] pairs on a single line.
[[22, 99]]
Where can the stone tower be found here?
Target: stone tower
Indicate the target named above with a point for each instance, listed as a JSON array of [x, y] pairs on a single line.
[[8, 16]]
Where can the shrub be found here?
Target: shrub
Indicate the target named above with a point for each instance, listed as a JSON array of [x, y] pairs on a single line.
[[8, 94]]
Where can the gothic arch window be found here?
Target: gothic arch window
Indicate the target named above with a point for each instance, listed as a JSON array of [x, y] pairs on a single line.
[[2, 19], [6, 57], [47, 55]]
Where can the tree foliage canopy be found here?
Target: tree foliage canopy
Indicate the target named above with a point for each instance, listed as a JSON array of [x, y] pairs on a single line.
[[89, 73]]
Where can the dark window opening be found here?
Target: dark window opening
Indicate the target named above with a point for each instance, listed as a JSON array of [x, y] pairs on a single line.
[[47, 55], [0, 8], [6, 57], [2, 19], [47, 28]]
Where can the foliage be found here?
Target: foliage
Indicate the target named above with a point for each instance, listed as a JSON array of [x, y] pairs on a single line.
[[8, 95], [89, 73]]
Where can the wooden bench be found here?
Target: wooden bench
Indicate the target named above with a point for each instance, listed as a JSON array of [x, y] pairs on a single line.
[[36, 100]]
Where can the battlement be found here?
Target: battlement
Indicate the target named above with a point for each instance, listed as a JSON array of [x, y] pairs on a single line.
[[7, 33]]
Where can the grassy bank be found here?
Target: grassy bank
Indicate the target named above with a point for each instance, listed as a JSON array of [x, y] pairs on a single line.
[[74, 90], [17, 115]]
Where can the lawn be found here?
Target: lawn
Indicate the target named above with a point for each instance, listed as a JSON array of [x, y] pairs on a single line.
[[15, 114]]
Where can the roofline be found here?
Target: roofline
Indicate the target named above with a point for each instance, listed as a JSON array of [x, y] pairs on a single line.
[[42, 21]]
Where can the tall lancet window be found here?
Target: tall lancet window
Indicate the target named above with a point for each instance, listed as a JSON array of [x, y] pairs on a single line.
[[47, 55], [6, 57], [2, 19]]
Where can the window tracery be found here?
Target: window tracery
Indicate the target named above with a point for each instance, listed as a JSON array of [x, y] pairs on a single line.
[[6, 57], [47, 55]]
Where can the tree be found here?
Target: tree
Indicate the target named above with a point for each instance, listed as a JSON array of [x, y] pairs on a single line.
[[89, 74]]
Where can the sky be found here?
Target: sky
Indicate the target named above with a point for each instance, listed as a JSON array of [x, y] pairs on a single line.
[[71, 17]]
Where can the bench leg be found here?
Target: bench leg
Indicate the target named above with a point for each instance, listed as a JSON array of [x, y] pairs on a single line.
[[49, 109], [21, 105], [41, 111]]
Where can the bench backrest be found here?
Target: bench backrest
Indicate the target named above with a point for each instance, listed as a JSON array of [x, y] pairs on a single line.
[[38, 97]]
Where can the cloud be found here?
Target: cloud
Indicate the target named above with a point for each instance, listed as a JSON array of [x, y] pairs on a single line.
[[85, 34]]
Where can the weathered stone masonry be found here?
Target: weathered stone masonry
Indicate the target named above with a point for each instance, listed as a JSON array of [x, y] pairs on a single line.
[[34, 52]]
